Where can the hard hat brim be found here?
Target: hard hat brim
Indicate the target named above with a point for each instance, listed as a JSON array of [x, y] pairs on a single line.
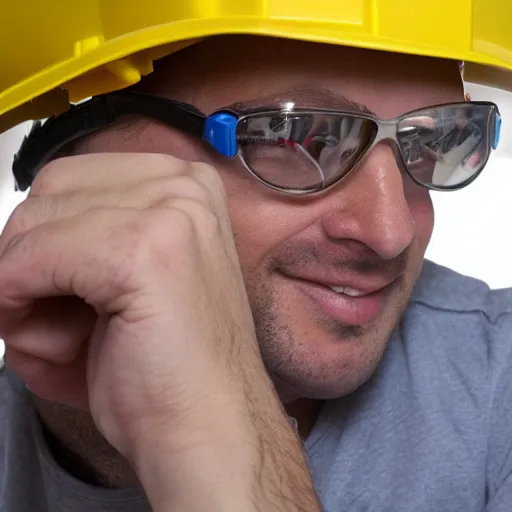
[[106, 65]]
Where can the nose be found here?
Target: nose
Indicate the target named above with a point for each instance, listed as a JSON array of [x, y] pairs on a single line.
[[370, 207]]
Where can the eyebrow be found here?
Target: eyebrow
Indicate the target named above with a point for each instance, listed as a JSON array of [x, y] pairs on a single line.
[[302, 97]]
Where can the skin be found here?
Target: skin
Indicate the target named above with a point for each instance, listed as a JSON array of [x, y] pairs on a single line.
[[185, 399], [375, 224]]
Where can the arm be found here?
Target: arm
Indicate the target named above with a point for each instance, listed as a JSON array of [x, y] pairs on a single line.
[[261, 471], [165, 355]]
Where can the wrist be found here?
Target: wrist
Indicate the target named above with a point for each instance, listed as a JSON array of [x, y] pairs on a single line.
[[201, 471], [236, 454], [235, 466]]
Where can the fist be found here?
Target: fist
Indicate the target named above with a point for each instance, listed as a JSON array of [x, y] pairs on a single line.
[[121, 293]]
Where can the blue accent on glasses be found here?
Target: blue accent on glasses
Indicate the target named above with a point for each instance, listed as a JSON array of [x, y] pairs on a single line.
[[220, 133], [497, 132]]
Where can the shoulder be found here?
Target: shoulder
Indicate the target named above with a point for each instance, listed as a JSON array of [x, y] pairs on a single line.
[[461, 318], [442, 289]]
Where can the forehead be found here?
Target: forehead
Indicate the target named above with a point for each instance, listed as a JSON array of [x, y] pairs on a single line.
[[231, 69]]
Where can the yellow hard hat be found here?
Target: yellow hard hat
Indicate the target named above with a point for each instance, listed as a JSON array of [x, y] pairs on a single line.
[[57, 52]]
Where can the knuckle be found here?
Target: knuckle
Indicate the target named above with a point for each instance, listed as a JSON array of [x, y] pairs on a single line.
[[20, 219], [204, 173], [159, 236], [48, 178], [176, 229], [34, 211], [163, 161], [182, 186], [205, 221], [196, 190], [211, 179]]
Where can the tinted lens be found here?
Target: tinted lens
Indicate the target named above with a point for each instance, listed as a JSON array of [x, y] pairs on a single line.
[[303, 151], [448, 146]]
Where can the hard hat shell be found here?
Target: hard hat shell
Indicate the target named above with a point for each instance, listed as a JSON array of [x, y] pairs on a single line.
[[56, 52]]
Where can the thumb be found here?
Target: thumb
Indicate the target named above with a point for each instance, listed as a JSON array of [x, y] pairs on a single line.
[[57, 383], [52, 329]]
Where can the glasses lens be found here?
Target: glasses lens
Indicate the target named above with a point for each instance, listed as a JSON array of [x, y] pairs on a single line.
[[448, 146], [303, 151]]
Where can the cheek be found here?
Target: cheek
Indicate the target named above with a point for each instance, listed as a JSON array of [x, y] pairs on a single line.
[[261, 220], [258, 227], [422, 211]]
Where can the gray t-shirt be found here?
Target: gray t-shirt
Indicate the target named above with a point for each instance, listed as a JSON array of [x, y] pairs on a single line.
[[430, 432]]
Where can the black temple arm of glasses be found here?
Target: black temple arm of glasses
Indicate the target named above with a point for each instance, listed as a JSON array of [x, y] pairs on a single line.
[[46, 139]]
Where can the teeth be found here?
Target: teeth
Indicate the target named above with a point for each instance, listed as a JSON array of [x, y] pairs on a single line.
[[345, 290]]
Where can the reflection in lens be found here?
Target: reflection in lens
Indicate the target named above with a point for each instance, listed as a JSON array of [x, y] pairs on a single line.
[[446, 146], [282, 163], [303, 151]]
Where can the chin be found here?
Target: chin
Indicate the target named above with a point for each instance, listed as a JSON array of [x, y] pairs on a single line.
[[309, 354], [324, 386], [320, 366]]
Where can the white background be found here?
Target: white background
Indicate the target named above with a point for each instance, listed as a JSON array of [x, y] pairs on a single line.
[[473, 232]]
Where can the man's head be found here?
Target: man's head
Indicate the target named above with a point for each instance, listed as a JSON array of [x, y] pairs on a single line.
[[368, 233]]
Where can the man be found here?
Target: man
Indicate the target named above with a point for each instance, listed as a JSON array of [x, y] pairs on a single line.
[[138, 275]]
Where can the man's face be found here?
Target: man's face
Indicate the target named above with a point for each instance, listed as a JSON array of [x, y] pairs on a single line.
[[368, 233]]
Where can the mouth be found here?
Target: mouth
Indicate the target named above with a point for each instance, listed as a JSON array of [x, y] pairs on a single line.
[[357, 304]]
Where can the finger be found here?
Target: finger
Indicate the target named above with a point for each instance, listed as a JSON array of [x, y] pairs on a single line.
[[46, 380], [100, 172], [38, 210], [131, 251], [52, 329]]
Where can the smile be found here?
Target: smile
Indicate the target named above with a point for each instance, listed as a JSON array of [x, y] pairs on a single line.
[[349, 305]]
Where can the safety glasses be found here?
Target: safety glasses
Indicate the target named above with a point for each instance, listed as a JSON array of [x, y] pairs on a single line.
[[294, 150]]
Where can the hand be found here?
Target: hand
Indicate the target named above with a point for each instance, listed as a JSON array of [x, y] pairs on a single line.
[[144, 242], [121, 293]]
